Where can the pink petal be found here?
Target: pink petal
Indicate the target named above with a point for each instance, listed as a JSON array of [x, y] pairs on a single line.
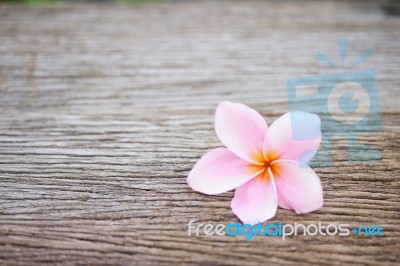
[[220, 170], [297, 185], [255, 201], [295, 136], [241, 129]]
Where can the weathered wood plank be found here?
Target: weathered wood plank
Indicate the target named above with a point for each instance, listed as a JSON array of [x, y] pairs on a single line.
[[105, 109]]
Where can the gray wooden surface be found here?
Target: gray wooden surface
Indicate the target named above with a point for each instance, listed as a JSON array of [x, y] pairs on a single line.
[[105, 109]]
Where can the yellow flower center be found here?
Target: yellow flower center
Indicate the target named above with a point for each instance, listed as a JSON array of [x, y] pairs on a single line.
[[266, 162]]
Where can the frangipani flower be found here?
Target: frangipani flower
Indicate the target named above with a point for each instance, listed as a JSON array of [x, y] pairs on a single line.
[[265, 165]]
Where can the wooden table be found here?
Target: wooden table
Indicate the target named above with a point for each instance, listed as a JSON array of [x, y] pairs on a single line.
[[106, 108]]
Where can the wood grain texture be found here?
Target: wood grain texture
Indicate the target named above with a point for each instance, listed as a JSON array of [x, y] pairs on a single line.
[[106, 108]]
